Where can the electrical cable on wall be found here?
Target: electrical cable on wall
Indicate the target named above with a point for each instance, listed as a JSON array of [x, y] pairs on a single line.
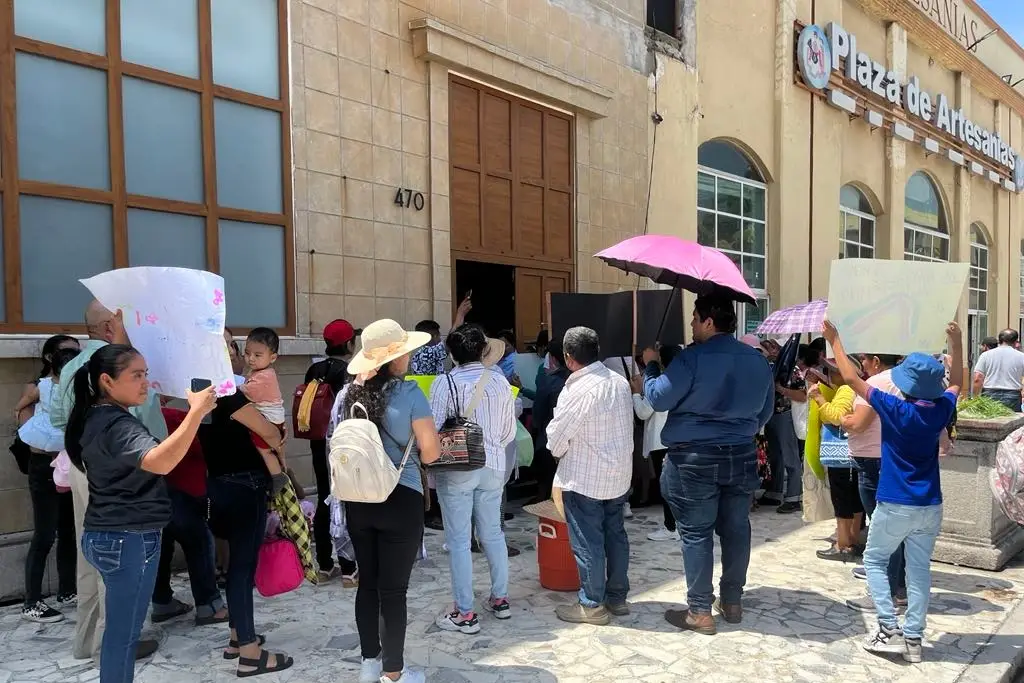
[[657, 118]]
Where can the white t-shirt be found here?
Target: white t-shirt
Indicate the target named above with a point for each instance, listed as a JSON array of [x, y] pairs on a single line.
[[1002, 367]]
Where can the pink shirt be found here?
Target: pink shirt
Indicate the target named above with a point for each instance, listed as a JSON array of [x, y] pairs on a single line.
[[868, 444]]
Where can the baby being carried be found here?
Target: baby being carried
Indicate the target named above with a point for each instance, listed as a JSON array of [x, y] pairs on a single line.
[[262, 388]]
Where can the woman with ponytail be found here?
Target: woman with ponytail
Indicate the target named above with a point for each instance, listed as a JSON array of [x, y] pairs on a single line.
[[128, 500]]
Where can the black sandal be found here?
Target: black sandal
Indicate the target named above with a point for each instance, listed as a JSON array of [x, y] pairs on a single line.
[[281, 663], [260, 640]]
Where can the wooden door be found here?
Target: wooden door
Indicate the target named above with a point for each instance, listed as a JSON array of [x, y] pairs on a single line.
[[532, 289], [512, 181]]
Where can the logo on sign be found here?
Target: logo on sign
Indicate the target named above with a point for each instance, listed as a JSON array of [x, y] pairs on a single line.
[[1018, 174], [814, 57]]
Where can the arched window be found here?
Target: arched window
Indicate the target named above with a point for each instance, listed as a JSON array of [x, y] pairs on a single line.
[[925, 235], [977, 299], [731, 216], [856, 224]]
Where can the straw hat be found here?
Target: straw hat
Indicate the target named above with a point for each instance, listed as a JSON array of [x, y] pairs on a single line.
[[494, 352], [383, 342]]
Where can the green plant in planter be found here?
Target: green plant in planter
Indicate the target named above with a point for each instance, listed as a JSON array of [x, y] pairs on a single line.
[[982, 408]]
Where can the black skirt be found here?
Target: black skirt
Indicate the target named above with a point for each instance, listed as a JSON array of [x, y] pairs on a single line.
[[843, 489]]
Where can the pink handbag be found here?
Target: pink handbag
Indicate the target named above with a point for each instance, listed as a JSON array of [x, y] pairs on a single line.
[[278, 569]]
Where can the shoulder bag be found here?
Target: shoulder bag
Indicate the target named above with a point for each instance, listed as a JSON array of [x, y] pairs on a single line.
[[835, 447], [462, 439]]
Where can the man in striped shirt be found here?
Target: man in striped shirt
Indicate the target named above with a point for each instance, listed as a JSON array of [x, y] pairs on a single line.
[[591, 436]]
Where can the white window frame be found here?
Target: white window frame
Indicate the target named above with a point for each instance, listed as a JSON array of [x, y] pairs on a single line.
[[977, 319], [759, 293], [911, 256], [843, 213]]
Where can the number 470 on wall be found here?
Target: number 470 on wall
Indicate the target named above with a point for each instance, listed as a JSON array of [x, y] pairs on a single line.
[[405, 198]]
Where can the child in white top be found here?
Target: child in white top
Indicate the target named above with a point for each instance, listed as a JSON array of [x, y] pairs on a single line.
[[262, 388], [38, 432]]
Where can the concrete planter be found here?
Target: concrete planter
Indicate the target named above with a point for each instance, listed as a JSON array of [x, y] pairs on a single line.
[[975, 532]]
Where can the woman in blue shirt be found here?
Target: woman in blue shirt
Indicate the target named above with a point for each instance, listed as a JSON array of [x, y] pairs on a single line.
[[387, 536]]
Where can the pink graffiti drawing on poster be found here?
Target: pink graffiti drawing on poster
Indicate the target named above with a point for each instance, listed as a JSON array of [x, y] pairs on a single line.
[[178, 326]]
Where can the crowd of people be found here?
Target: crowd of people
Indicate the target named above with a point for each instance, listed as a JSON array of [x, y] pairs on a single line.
[[695, 419]]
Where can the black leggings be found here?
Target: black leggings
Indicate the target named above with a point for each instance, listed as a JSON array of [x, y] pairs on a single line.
[[387, 538], [322, 518], [54, 518]]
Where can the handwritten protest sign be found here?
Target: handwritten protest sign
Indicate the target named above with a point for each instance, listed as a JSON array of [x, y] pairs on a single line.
[[175, 318], [896, 307]]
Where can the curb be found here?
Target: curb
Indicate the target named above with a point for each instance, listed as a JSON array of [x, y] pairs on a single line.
[[1002, 656]]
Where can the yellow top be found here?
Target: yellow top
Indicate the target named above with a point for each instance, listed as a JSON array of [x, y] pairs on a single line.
[[839, 407]]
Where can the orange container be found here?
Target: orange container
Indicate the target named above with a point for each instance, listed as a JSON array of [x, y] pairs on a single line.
[[557, 565]]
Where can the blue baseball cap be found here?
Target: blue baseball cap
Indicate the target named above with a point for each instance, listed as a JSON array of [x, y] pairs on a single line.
[[920, 376]]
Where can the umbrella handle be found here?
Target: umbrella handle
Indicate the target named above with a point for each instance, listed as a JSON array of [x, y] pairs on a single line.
[[664, 317]]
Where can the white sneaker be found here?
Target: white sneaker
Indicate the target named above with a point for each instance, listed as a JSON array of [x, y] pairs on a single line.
[[887, 641], [408, 676], [453, 621], [663, 534], [371, 671], [627, 511]]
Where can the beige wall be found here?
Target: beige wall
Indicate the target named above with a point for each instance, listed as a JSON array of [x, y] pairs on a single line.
[[370, 114], [810, 150]]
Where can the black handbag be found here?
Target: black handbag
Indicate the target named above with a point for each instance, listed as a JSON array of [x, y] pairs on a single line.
[[22, 453], [462, 439]]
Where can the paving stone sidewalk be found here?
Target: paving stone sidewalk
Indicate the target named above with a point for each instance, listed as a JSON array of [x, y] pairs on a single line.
[[796, 628]]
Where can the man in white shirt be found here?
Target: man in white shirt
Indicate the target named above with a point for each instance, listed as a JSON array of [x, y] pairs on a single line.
[[998, 372], [591, 436]]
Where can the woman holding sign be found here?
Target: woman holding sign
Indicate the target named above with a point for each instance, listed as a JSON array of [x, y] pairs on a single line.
[[128, 501]]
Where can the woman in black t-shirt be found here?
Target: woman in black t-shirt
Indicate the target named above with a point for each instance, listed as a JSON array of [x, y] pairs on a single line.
[[237, 487], [128, 501]]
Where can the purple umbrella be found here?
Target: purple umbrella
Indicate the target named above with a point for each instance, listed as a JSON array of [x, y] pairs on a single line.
[[795, 319], [679, 263]]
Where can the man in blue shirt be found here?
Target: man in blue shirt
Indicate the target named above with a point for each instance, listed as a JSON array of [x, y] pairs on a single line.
[[718, 393], [909, 495]]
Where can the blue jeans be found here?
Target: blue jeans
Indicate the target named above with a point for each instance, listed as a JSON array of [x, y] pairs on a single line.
[[127, 561], [785, 459], [597, 533], [238, 514], [466, 497], [916, 528], [867, 484], [188, 528], [709, 490]]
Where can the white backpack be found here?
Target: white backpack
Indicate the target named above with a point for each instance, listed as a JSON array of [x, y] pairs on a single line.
[[361, 470]]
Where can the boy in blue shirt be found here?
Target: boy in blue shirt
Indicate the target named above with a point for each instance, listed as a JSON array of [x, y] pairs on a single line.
[[909, 492]]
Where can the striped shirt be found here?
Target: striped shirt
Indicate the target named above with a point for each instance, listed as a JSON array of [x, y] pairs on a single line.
[[591, 434], [495, 414]]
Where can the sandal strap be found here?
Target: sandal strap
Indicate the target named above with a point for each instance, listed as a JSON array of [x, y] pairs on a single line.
[[260, 663], [260, 638]]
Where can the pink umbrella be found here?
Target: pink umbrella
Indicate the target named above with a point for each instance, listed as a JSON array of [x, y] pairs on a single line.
[[679, 263]]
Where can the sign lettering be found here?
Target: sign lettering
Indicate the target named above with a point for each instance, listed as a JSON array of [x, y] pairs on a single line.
[[954, 20], [935, 110]]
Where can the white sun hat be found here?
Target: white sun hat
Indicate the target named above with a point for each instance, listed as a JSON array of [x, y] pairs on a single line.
[[382, 342]]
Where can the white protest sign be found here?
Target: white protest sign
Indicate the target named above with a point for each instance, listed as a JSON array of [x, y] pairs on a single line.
[[897, 307], [175, 318]]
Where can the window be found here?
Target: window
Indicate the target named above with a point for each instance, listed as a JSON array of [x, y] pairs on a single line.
[[144, 133], [977, 305], [925, 235], [856, 224], [661, 16], [731, 211]]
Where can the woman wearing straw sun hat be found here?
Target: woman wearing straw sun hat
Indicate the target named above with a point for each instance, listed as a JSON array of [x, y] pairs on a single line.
[[387, 536]]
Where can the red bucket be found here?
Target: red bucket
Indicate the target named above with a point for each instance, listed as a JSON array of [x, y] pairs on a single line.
[[555, 560]]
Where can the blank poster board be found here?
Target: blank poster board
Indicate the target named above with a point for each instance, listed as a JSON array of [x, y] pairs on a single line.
[[896, 307], [610, 315], [651, 305]]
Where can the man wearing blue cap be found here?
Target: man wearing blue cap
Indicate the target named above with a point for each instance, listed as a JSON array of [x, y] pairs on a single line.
[[909, 493]]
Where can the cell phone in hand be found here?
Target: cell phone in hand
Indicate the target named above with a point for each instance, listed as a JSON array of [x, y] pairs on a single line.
[[199, 384]]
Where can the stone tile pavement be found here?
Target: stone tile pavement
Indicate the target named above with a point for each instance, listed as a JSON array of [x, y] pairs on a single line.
[[796, 629]]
